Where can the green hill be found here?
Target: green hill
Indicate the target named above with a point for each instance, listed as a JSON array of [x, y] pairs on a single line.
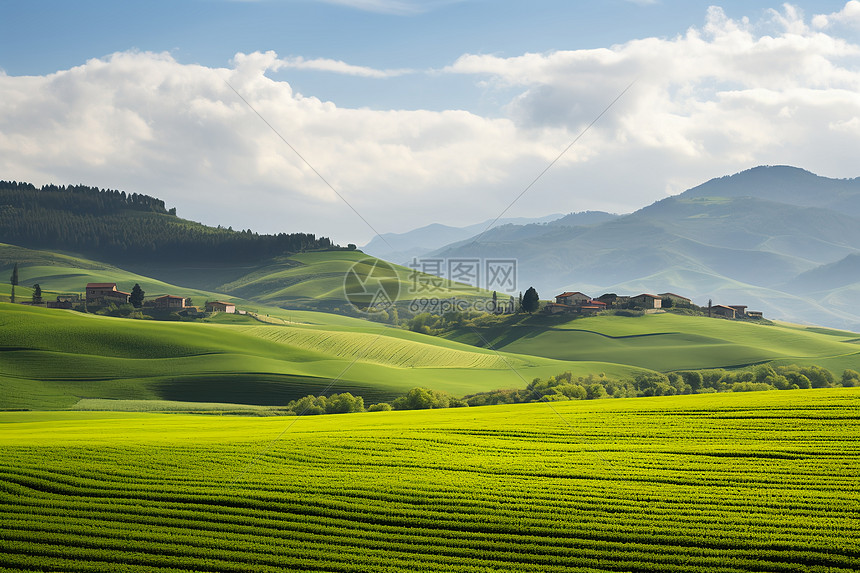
[[53, 358], [668, 342], [118, 227]]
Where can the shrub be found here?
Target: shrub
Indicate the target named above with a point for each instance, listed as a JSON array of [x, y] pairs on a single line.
[[380, 407], [750, 387]]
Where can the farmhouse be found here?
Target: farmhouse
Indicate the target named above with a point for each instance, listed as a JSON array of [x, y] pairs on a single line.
[[104, 293], [675, 298], [647, 300], [740, 310], [592, 306], [555, 308], [220, 306], [169, 301], [722, 310], [571, 298], [612, 299]]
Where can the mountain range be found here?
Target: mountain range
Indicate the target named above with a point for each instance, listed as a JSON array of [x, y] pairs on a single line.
[[775, 238]]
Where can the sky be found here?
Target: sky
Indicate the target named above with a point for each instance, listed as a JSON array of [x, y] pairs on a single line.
[[347, 118]]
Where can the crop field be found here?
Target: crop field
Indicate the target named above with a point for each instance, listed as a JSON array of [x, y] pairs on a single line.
[[668, 342], [53, 358], [722, 482]]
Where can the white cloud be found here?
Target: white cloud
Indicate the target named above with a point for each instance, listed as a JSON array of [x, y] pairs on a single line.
[[337, 67], [717, 99], [849, 16]]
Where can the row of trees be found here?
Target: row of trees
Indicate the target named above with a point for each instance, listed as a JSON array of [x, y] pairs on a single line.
[[565, 386], [110, 225]]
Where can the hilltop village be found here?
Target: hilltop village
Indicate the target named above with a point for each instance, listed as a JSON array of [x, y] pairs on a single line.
[[580, 303]]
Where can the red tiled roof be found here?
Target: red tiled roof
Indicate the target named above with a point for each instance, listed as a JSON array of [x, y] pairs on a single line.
[[170, 296], [567, 294], [221, 302], [101, 285], [646, 294]]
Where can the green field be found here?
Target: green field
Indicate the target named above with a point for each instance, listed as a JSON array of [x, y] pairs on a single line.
[[668, 342], [722, 482], [53, 358]]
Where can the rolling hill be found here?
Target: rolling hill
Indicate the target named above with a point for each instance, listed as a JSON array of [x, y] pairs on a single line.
[[667, 342], [53, 358]]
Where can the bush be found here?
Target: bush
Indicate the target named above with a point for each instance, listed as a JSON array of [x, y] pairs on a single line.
[[425, 399], [750, 387], [381, 407], [850, 378]]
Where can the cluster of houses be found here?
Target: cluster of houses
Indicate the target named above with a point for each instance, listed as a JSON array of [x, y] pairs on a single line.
[[100, 294], [580, 303]]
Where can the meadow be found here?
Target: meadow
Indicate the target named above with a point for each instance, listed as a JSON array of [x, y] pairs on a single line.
[[667, 342], [722, 482], [53, 358]]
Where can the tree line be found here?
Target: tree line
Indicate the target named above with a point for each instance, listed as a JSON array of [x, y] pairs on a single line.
[[115, 226]]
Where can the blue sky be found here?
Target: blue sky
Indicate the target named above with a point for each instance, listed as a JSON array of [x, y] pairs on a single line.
[[421, 112]]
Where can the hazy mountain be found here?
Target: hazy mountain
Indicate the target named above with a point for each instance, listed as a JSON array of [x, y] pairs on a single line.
[[401, 248], [786, 184], [842, 273], [752, 238]]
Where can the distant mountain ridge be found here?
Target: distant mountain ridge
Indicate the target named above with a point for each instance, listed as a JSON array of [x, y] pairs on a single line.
[[401, 248], [747, 239]]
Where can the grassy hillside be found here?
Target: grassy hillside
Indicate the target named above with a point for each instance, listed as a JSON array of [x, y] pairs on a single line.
[[59, 273], [51, 359], [667, 342], [729, 483]]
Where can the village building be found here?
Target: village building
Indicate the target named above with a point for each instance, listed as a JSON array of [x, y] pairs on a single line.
[[612, 299], [220, 306], [740, 310], [105, 293], [722, 310], [555, 308], [574, 298], [755, 314], [675, 298], [648, 301], [168, 302], [592, 307], [63, 301]]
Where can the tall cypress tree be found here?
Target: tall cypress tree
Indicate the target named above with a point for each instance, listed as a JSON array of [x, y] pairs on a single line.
[[14, 280]]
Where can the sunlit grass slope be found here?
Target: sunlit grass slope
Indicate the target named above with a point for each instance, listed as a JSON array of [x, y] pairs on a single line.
[[51, 358], [65, 274], [729, 483], [668, 342], [319, 277]]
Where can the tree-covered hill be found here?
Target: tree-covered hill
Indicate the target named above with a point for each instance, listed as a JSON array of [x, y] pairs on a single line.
[[114, 226]]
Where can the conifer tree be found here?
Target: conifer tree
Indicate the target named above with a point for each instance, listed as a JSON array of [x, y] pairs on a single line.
[[14, 280]]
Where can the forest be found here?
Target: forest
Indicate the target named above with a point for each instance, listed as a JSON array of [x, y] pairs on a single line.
[[115, 226]]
